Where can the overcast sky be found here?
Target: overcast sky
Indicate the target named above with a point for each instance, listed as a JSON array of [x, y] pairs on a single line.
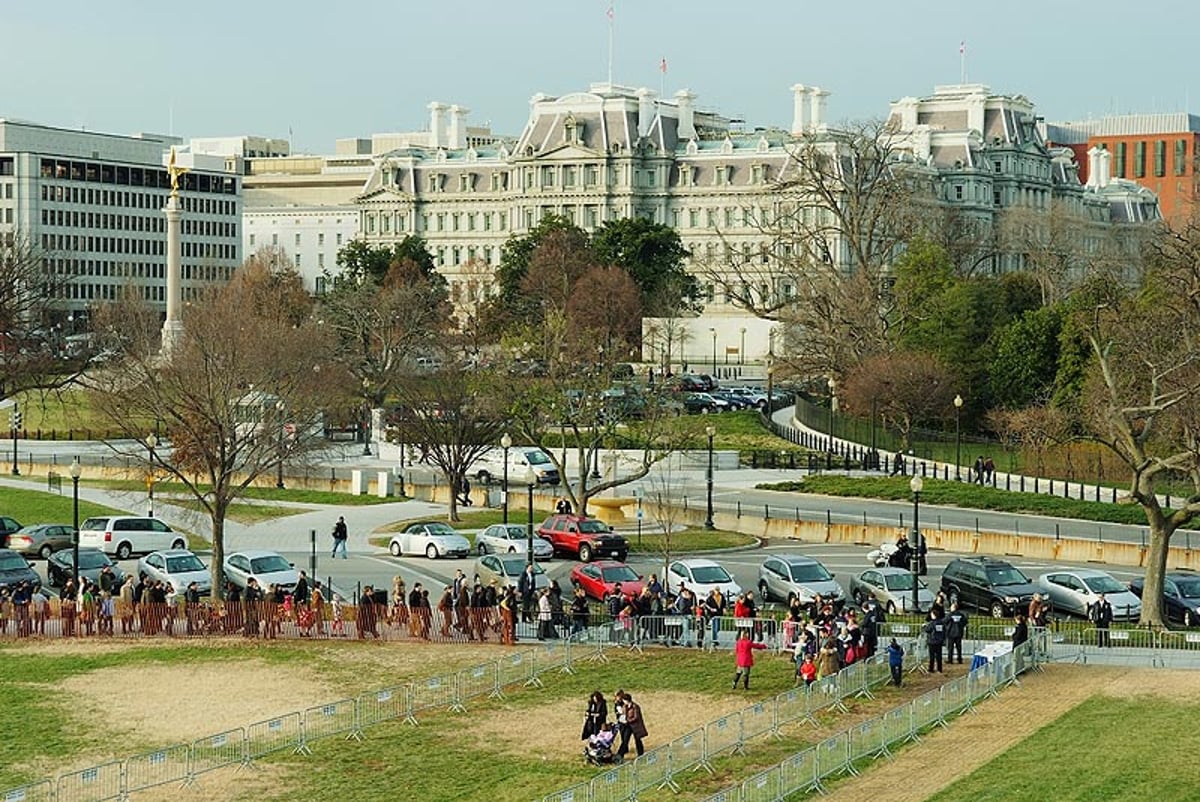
[[336, 69]]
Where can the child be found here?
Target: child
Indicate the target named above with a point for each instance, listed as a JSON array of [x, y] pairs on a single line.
[[106, 610], [895, 661], [339, 626], [806, 670]]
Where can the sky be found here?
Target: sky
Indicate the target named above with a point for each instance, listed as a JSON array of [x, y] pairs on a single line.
[[328, 70]]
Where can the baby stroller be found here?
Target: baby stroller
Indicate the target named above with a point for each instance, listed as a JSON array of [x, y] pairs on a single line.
[[598, 751]]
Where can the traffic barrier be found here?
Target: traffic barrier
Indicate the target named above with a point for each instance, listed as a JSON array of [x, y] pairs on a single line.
[[824, 695], [218, 751], [613, 785], [799, 773], [33, 792], [94, 784], [579, 792], [868, 740], [831, 755], [475, 682], [897, 725], [758, 719], [516, 669], [791, 706], [160, 767], [328, 720], [688, 751], [724, 734], [955, 696], [552, 655], [385, 704], [434, 693], [762, 787], [926, 710], [652, 770], [273, 735]]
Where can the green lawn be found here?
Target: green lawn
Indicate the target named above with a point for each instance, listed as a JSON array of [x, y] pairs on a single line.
[[38, 506], [1103, 749], [688, 540], [961, 494], [294, 496], [241, 512], [61, 412]]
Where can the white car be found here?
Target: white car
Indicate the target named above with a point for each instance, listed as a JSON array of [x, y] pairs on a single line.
[[701, 577], [125, 536], [178, 568], [268, 567], [511, 539], [432, 538]]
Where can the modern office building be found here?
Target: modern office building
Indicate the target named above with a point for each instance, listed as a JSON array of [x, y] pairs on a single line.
[[1156, 151], [93, 204]]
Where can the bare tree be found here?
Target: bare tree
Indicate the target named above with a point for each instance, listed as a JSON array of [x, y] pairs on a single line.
[[1033, 429], [241, 394], [905, 389]]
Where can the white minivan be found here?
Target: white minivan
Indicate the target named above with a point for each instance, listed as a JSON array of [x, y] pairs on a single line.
[[126, 536], [520, 459]]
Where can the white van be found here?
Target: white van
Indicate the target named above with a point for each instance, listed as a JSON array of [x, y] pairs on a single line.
[[520, 460], [125, 536]]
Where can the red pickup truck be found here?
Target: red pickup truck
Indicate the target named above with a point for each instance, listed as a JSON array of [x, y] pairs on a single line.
[[588, 538]]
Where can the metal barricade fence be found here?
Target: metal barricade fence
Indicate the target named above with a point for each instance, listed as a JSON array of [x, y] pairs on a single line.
[[723, 734], [824, 694], [791, 706], [758, 719], [552, 655], [476, 682], [579, 792], [798, 773], [926, 710], [218, 751], [434, 693], [979, 685], [385, 704], [652, 770], [614, 785], [273, 735], [831, 756], [515, 669], [762, 787], [160, 767], [94, 784], [956, 696], [33, 792], [897, 725], [328, 720], [868, 740], [688, 751]]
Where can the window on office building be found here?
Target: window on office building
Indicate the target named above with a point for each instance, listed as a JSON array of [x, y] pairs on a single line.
[[1160, 158], [1139, 160], [1119, 160], [1180, 157]]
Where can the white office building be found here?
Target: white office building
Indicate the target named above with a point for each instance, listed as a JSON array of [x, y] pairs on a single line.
[[93, 205]]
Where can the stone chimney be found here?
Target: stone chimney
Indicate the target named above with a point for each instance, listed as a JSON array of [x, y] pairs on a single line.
[[975, 103], [1104, 163], [437, 124], [906, 108], [1093, 154], [457, 138], [799, 109], [687, 114], [645, 111], [817, 108]]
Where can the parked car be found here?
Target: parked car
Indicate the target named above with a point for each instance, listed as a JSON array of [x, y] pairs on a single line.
[[60, 567], [891, 588], [601, 578], [587, 538], [41, 540], [507, 570], [701, 576], [793, 576], [703, 404], [15, 569], [1181, 596], [1075, 590], [521, 460], [126, 536], [434, 539], [268, 567], [736, 402], [7, 527], [987, 584], [178, 569], [750, 396], [511, 539]]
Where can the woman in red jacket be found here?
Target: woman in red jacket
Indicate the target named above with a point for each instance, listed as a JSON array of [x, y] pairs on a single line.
[[743, 651]]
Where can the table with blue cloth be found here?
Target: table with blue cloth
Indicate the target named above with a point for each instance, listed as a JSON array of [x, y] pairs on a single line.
[[989, 652]]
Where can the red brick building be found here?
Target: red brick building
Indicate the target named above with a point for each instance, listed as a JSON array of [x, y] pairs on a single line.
[[1158, 151]]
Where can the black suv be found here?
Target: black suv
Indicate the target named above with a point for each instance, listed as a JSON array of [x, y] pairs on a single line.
[[15, 569], [993, 585]]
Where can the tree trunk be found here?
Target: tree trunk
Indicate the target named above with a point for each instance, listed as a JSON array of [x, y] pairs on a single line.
[[455, 489], [217, 568], [1156, 567]]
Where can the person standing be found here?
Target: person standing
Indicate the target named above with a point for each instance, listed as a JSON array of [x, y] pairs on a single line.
[[1102, 616], [956, 630], [1020, 631], [300, 595], [634, 726], [743, 651], [896, 661], [527, 588], [340, 536], [714, 610], [935, 637], [545, 616], [596, 716], [365, 615]]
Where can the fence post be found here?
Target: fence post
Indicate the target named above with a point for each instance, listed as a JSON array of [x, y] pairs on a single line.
[[766, 512]]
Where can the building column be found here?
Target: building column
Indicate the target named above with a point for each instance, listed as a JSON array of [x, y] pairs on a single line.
[[172, 331]]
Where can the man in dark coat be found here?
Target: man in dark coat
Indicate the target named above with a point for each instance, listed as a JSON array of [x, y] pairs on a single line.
[[935, 637]]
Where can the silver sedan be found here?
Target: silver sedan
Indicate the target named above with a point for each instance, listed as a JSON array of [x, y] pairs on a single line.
[[511, 539], [892, 588], [1075, 590]]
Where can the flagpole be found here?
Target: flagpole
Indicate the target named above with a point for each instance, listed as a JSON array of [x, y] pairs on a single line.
[[962, 63], [611, 15]]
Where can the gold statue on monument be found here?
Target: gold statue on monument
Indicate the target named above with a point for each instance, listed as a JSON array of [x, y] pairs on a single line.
[[174, 170]]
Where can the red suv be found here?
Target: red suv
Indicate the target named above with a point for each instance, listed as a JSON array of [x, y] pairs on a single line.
[[587, 537]]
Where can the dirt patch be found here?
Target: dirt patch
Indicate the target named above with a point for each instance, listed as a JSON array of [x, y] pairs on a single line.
[[921, 770], [668, 715], [1178, 686], [166, 704]]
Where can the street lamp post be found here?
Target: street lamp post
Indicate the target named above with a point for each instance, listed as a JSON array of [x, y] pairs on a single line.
[[279, 465], [742, 348], [916, 484], [832, 408], [713, 331], [958, 404], [708, 522], [14, 421], [505, 443], [75, 470], [366, 418], [770, 392], [151, 443], [530, 480]]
